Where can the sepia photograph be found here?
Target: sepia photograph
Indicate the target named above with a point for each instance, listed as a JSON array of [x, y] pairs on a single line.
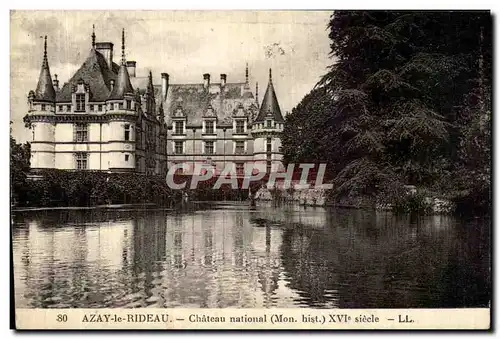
[[251, 169]]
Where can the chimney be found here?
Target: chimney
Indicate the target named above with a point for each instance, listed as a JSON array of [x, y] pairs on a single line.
[[112, 83], [223, 78], [206, 81], [131, 68], [106, 49], [164, 85], [55, 83]]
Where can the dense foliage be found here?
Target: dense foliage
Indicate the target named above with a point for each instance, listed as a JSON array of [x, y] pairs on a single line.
[[91, 188], [19, 166], [406, 102], [51, 187]]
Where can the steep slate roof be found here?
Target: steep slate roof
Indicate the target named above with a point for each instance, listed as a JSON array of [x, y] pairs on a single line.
[[122, 84], [247, 95], [270, 103], [45, 89], [95, 73], [194, 99]]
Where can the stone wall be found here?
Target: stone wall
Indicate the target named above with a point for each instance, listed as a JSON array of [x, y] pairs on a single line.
[[302, 196], [319, 197]]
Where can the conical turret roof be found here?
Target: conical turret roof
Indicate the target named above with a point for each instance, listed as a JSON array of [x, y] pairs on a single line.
[[270, 104], [45, 89], [122, 85]]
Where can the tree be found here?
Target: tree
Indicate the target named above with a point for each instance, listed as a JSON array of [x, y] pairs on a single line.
[[19, 167], [390, 111]]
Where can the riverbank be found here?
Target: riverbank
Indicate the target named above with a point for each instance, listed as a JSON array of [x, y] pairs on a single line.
[[411, 200]]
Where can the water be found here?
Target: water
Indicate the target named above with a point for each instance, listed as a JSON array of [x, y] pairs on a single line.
[[234, 256]]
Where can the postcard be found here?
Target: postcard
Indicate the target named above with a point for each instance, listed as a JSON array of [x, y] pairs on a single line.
[[251, 170]]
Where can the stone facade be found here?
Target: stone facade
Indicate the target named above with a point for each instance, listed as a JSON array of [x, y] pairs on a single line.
[[106, 118]]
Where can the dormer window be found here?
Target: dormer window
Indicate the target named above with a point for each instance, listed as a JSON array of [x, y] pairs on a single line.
[[99, 108], [129, 104], [80, 102], [43, 107], [60, 108], [120, 105], [111, 107], [269, 124], [240, 126], [68, 108], [179, 127], [209, 127]]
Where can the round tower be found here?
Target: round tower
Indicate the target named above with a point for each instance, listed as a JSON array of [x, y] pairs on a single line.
[[122, 119], [266, 131], [41, 114]]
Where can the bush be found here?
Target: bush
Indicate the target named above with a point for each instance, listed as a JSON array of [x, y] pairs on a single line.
[[90, 188]]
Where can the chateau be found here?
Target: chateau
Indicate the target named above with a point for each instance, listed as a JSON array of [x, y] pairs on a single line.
[[106, 118]]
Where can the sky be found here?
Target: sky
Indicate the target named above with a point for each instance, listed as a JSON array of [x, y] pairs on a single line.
[[185, 44]]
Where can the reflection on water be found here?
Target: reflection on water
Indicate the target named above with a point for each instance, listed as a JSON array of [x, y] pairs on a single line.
[[233, 256]]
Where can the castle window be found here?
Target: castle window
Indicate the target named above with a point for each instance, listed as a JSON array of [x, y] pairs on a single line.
[[129, 104], [80, 102], [179, 127], [81, 132], [240, 167], [209, 147], [111, 107], [81, 160], [99, 108], [43, 107], [178, 147], [269, 146], [91, 107], [120, 105], [127, 132], [68, 108], [240, 147], [240, 126], [269, 124], [209, 127], [126, 157], [60, 108]]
